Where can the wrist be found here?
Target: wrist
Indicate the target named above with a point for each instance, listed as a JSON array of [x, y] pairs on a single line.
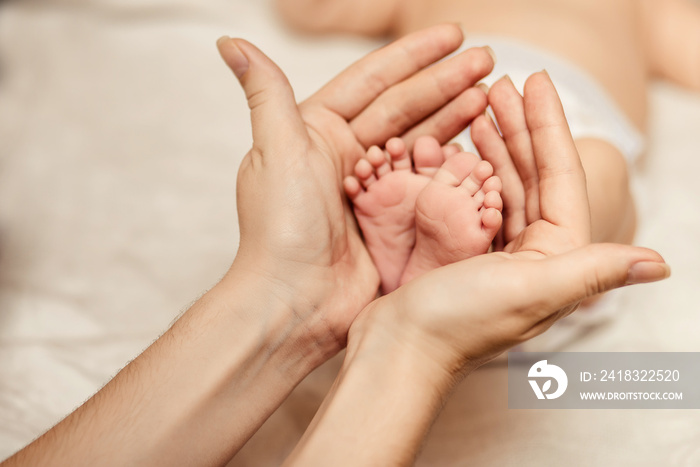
[[381, 335], [399, 323], [287, 317], [385, 399]]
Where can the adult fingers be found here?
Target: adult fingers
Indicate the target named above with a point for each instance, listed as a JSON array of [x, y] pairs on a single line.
[[493, 149], [274, 113], [563, 194], [450, 120], [564, 279], [361, 83], [405, 104], [509, 109]]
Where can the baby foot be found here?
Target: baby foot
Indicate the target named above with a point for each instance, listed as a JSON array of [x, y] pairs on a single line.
[[384, 192], [458, 213]]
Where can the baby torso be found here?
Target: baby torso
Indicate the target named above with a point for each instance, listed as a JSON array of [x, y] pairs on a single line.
[[602, 37]]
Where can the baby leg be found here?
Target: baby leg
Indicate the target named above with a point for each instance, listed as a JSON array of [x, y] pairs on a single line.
[[613, 214]]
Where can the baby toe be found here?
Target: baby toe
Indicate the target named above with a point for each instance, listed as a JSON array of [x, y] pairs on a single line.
[[365, 172], [456, 169], [428, 156], [474, 182], [493, 200], [400, 159], [491, 220], [352, 187], [451, 149], [493, 183], [378, 160]]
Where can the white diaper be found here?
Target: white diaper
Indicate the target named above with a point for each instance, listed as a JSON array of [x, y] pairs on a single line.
[[590, 111]]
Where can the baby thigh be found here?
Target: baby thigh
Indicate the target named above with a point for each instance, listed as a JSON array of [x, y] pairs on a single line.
[[613, 215]]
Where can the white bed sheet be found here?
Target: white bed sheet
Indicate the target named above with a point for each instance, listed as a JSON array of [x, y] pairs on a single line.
[[120, 135]]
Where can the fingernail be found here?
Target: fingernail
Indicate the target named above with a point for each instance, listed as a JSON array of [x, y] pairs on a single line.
[[647, 271], [490, 52], [484, 87], [234, 57]]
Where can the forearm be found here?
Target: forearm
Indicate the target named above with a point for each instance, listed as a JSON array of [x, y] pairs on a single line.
[[197, 394], [380, 407]]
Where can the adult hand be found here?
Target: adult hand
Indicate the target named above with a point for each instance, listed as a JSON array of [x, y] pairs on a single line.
[[297, 230], [555, 225], [201, 390], [440, 326], [469, 312]]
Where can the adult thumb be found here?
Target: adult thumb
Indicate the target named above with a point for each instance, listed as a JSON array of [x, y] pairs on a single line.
[[274, 113], [598, 268]]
